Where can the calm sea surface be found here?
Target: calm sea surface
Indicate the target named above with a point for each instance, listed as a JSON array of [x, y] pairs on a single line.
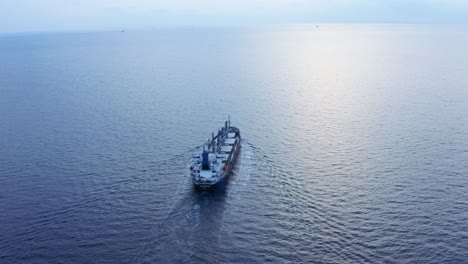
[[355, 145]]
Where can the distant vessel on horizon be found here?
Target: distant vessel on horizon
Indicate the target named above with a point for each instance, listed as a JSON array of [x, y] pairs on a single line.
[[218, 157]]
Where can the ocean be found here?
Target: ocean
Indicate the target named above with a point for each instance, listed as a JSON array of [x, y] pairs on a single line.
[[354, 145]]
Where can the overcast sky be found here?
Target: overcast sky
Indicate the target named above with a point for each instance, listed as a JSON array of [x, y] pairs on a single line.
[[63, 15]]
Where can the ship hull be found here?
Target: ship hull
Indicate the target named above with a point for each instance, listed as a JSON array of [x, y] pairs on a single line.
[[216, 163]]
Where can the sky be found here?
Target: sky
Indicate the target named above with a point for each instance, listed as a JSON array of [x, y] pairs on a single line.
[[71, 15]]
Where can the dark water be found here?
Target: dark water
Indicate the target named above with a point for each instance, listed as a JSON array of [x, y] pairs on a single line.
[[355, 145]]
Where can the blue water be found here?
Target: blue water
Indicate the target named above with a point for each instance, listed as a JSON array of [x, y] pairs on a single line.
[[355, 145]]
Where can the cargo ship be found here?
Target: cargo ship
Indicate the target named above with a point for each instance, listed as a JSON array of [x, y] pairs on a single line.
[[216, 161]]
